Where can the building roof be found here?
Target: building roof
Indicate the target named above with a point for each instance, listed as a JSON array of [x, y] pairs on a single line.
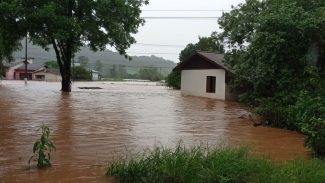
[[54, 71], [16, 62], [32, 67], [214, 59], [47, 70], [94, 71]]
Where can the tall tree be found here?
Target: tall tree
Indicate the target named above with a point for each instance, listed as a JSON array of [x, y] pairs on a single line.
[[209, 44], [11, 29], [69, 24]]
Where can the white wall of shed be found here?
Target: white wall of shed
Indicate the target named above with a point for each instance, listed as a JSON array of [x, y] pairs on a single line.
[[193, 82]]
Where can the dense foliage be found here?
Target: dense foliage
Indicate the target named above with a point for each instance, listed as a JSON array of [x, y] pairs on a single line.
[[10, 30], [68, 25], [276, 48], [151, 74], [51, 64], [208, 44], [212, 165], [174, 79]]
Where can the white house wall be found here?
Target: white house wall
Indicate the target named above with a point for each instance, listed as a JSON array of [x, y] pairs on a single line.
[[95, 76], [52, 77], [47, 76], [194, 83]]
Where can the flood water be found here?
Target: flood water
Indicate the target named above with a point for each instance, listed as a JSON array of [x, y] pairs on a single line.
[[93, 127]]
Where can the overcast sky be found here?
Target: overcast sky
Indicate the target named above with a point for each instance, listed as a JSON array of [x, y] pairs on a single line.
[[156, 34]]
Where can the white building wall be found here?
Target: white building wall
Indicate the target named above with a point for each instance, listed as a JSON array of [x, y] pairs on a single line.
[[52, 77], [47, 76], [95, 76], [194, 83]]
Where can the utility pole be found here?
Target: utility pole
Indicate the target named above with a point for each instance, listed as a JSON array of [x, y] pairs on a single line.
[[26, 61]]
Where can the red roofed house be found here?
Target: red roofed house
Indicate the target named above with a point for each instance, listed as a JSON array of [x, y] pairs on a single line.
[[16, 70]]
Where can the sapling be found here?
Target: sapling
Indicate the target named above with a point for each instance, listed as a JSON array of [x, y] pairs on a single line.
[[42, 149]]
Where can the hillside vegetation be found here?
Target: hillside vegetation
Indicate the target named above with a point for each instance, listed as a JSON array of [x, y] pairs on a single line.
[[108, 60]]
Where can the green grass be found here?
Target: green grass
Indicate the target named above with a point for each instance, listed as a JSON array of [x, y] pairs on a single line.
[[202, 164]]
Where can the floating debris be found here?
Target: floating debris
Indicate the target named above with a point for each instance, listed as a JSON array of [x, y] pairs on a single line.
[[90, 88]]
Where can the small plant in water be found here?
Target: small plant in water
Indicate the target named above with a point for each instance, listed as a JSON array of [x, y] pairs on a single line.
[[42, 148]]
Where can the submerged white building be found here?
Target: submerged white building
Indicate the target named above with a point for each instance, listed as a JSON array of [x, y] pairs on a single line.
[[204, 74]]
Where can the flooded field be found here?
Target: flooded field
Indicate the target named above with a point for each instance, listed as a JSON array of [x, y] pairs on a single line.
[[93, 127]]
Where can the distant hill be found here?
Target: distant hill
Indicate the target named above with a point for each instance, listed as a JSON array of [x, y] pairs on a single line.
[[108, 59]]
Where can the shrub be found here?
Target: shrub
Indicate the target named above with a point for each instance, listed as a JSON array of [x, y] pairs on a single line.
[[42, 149], [309, 114], [173, 80], [300, 107]]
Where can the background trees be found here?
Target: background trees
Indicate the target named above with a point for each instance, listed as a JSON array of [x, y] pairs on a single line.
[[151, 74], [52, 64], [81, 73]]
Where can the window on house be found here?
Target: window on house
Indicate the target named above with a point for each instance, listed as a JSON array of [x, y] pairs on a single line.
[[211, 84], [40, 77], [22, 76]]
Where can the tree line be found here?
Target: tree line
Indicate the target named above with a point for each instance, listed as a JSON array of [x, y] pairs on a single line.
[[82, 71]]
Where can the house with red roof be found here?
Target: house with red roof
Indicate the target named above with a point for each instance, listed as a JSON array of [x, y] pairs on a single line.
[[16, 70]]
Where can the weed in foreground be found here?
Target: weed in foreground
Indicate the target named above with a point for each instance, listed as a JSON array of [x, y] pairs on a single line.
[[212, 165], [42, 149]]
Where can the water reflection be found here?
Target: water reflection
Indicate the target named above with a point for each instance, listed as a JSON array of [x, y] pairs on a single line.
[[7, 133], [90, 127], [63, 133]]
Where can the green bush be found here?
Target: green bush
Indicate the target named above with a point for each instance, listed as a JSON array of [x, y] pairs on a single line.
[[309, 114], [173, 80], [300, 108], [212, 165]]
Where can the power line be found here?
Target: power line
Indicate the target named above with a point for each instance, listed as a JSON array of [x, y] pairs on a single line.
[[189, 10], [131, 66], [162, 45], [191, 18], [154, 53]]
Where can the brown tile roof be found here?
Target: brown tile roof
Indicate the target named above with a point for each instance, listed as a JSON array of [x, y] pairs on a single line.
[[44, 69], [214, 58]]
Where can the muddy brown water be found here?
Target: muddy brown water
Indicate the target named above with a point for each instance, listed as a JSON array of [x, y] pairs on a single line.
[[93, 127]]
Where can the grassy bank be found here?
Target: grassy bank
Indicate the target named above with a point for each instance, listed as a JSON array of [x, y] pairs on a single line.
[[220, 165]]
